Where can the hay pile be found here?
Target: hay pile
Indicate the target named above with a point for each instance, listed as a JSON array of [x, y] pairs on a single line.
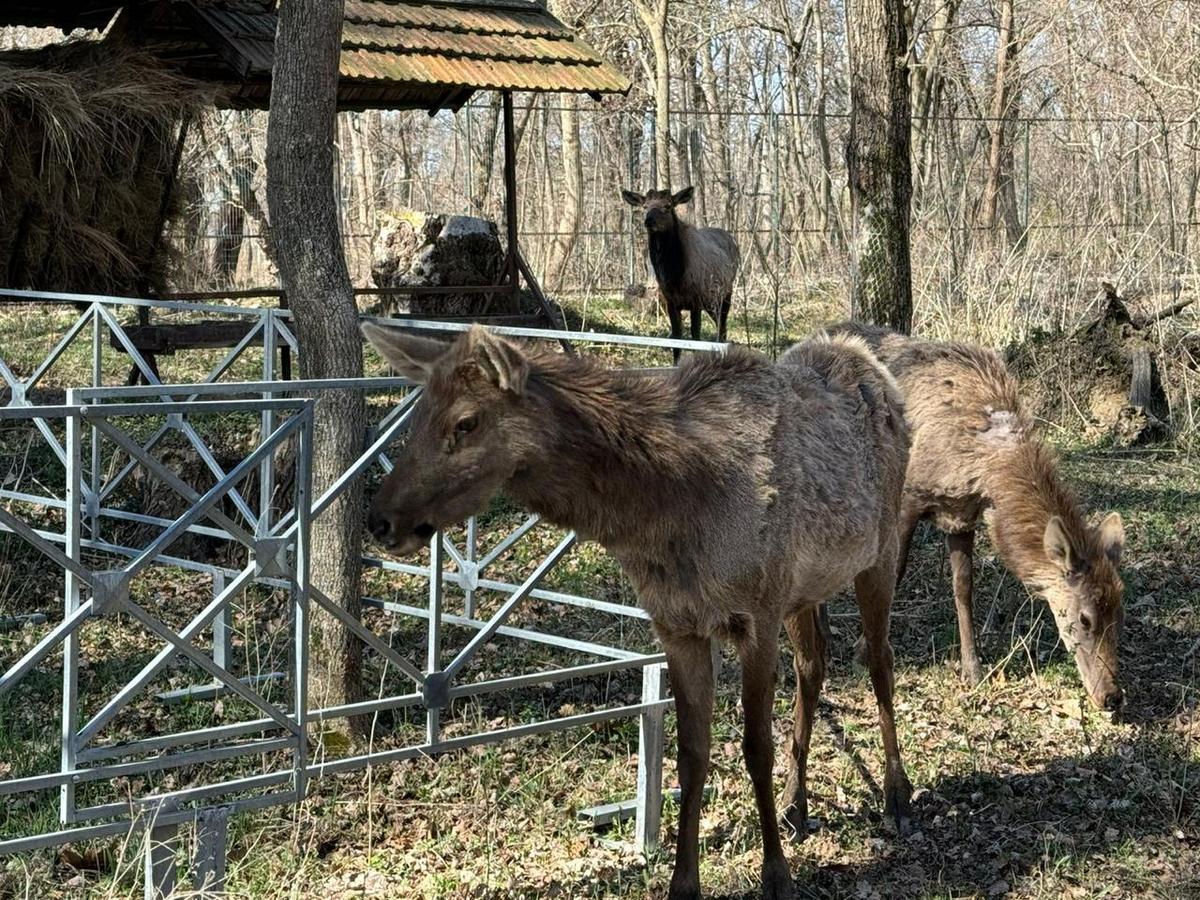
[[88, 132]]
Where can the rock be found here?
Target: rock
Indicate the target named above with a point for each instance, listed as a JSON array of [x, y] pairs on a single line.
[[415, 248]]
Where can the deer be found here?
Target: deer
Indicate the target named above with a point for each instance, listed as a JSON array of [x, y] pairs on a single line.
[[803, 460], [695, 267], [976, 455]]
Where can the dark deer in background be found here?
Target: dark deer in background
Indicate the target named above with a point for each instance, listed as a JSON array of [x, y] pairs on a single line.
[[694, 267], [802, 461], [975, 449]]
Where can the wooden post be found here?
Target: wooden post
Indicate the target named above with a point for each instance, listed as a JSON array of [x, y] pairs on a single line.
[[510, 189], [516, 263]]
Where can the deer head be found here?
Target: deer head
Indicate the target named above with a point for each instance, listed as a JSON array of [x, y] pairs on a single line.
[[468, 436], [1084, 593], [659, 206]]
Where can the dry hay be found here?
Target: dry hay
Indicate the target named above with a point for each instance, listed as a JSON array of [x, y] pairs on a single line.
[[88, 132]]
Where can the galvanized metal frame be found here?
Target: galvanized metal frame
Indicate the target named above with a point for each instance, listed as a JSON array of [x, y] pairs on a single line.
[[279, 557]]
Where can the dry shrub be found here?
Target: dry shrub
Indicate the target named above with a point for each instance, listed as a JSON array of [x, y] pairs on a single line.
[[88, 131]]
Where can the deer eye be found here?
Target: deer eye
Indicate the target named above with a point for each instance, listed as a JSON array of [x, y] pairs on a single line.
[[466, 425], [1086, 621]]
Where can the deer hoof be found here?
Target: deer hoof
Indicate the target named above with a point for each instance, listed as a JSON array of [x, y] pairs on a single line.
[[796, 822], [898, 806], [682, 891], [777, 881]]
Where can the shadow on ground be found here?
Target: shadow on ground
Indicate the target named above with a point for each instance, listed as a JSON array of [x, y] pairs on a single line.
[[984, 834]]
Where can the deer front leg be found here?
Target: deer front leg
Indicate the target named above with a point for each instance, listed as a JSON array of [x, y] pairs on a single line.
[[873, 588], [689, 665], [676, 318], [962, 553], [696, 322], [759, 662], [808, 642]]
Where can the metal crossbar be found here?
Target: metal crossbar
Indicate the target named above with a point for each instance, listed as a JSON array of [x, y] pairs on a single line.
[[106, 431]]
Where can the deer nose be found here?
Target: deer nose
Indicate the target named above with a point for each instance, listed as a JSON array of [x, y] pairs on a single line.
[[1114, 699]]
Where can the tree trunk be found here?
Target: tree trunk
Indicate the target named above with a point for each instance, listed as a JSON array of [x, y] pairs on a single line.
[[927, 93], [653, 14], [831, 222], [481, 191], [695, 146], [877, 160], [999, 188], [312, 266], [570, 202]]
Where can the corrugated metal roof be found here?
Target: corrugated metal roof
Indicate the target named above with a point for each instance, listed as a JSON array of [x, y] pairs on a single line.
[[426, 49]]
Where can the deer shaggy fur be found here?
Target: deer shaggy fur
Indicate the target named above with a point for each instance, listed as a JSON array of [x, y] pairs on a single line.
[[975, 451], [694, 267], [802, 463]]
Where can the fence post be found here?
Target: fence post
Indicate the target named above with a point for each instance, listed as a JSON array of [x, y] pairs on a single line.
[[72, 535], [208, 867], [471, 577], [160, 860], [433, 705], [648, 827]]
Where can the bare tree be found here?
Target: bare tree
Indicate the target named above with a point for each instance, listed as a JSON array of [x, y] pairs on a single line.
[[570, 202], [653, 14], [877, 159], [312, 266], [999, 190]]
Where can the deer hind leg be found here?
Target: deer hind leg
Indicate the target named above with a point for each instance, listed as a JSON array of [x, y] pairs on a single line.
[[873, 588], [962, 550], [808, 641], [759, 663], [723, 316], [696, 323], [689, 665]]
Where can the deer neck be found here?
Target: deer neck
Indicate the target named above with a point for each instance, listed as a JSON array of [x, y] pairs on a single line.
[[667, 255], [1026, 492], [609, 454]]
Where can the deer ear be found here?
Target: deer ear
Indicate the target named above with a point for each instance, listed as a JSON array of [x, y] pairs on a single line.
[[1058, 546], [1112, 537], [413, 357], [502, 361], [684, 196], [633, 199]]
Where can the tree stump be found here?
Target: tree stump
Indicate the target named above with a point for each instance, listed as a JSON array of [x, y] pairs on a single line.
[[417, 249], [1106, 371]]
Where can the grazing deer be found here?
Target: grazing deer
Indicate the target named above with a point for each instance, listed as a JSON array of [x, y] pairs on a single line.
[[974, 450], [802, 462], [694, 267]]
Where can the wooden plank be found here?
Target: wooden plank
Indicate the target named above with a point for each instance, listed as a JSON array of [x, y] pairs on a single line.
[[166, 339]]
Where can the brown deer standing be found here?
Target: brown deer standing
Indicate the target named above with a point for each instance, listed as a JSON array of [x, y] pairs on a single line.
[[695, 267], [975, 449], [803, 463]]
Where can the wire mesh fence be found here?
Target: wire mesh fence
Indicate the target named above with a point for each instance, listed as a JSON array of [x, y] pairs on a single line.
[[1076, 200]]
